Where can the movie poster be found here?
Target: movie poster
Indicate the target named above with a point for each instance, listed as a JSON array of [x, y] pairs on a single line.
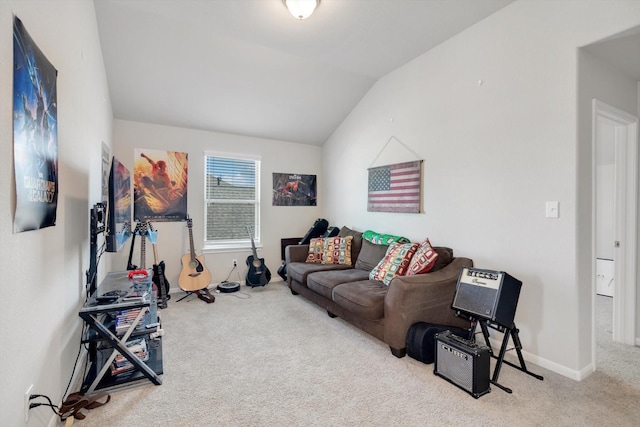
[[35, 134], [290, 189], [160, 185]]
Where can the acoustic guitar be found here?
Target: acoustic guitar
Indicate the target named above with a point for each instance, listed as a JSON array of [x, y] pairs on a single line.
[[258, 274], [194, 275], [160, 282]]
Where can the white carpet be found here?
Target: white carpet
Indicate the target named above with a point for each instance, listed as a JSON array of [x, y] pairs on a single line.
[[276, 359]]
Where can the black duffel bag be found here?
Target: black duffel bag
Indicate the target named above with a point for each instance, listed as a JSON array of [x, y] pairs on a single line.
[[421, 342]]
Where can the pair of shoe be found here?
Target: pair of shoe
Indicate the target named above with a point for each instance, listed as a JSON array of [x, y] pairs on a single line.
[[76, 401], [205, 295]]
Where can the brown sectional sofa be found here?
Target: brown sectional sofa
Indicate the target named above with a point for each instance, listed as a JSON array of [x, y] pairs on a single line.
[[386, 312]]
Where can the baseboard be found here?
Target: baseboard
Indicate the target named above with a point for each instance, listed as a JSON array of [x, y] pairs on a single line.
[[176, 290], [547, 364]]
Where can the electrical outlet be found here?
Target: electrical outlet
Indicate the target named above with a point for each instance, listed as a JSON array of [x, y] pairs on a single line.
[[27, 402], [235, 262]]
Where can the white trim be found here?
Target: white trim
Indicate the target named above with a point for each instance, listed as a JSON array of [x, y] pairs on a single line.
[[626, 201], [229, 155]]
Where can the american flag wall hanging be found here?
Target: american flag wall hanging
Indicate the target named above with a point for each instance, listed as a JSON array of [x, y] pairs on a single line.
[[395, 188]]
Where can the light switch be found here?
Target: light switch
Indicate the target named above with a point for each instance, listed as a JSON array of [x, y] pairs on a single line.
[[553, 209]]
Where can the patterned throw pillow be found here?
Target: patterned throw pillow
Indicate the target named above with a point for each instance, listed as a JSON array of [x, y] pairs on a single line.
[[316, 250], [337, 250], [424, 259], [395, 262]]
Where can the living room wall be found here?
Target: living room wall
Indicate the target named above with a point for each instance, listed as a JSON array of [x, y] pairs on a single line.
[[493, 113], [43, 278], [277, 222]]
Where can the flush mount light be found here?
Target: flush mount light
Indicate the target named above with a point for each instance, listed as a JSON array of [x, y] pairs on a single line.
[[301, 9]]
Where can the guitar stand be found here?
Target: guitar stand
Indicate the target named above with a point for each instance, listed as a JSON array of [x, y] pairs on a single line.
[[203, 294], [508, 332]]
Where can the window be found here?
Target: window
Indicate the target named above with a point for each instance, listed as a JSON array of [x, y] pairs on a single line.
[[232, 199]]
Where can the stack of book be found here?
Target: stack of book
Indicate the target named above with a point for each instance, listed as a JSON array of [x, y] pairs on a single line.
[[125, 318], [137, 347]]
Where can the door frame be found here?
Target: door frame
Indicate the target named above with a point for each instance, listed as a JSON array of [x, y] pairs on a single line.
[[626, 202]]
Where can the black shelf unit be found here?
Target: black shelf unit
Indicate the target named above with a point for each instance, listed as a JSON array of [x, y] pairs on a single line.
[[104, 341]]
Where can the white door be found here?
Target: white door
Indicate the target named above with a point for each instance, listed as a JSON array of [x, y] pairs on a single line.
[[611, 124]]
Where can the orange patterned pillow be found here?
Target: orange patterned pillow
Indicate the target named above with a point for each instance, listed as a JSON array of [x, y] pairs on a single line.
[[424, 259], [337, 250], [395, 262], [316, 250]]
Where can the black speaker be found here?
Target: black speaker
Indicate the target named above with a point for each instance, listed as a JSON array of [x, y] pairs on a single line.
[[487, 294], [463, 363]]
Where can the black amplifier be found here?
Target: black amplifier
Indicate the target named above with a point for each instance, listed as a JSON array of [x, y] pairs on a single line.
[[487, 294], [463, 363]]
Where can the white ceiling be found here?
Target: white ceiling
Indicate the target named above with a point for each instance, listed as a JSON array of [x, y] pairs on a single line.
[[248, 67]]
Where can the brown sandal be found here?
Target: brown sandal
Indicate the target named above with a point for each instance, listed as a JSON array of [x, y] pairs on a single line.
[[76, 401]]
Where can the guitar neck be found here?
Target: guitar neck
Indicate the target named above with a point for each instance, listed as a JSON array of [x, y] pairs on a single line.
[[253, 245], [191, 247], [143, 250]]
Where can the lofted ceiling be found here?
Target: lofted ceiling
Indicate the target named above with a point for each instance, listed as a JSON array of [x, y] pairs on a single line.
[[248, 67]]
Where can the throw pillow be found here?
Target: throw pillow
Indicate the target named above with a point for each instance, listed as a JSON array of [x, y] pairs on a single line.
[[337, 250], [370, 255], [316, 250], [424, 259], [395, 262], [356, 243]]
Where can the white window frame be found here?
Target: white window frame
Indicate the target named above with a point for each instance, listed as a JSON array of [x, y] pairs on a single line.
[[231, 245]]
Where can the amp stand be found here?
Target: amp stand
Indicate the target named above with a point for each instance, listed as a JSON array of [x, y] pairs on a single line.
[[508, 332]]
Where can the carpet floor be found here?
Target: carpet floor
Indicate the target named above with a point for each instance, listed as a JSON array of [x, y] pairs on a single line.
[[264, 357]]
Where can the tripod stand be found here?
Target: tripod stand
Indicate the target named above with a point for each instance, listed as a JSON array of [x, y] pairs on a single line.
[[509, 332]]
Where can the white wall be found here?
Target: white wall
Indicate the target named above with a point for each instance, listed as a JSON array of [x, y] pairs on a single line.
[[43, 271], [277, 221], [493, 114]]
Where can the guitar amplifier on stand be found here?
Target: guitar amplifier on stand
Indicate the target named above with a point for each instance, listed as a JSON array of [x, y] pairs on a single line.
[[487, 294], [463, 363]]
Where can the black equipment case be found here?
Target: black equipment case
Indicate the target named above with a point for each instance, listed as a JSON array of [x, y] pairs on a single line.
[[421, 342]]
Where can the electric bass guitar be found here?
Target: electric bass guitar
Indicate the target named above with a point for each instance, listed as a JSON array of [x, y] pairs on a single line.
[[160, 282], [130, 265], [258, 274], [194, 275]]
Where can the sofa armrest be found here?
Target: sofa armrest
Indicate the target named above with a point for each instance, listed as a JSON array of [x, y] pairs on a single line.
[[296, 253], [422, 298]]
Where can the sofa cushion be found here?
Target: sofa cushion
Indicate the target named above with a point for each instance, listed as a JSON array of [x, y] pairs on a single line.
[[299, 271], [370, 255], [364, 298], [356, 243], [324, 282], [395, 262], [383, 239], [423, 260], [445, 256], [337, 250], [316, 250]]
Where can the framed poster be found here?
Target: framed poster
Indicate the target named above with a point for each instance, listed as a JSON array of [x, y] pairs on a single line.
[[160, 185], [290, 189]]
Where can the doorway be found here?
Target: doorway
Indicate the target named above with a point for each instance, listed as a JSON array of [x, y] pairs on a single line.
[[615, 149]]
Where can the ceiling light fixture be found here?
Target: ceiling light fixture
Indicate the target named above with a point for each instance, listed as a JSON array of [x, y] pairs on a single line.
[[301, 9]]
